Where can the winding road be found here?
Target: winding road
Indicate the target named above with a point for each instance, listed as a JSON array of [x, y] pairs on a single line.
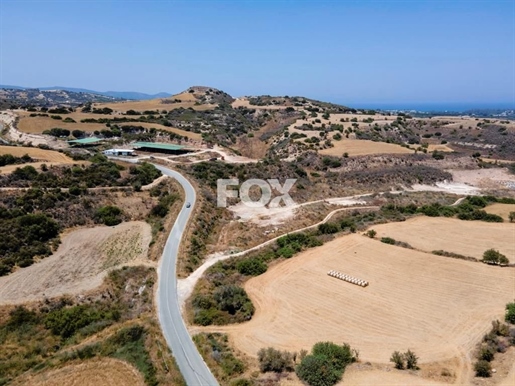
[[192, 366]]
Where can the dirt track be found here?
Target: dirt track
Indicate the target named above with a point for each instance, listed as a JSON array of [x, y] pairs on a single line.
[[79, 264], [437, 306]]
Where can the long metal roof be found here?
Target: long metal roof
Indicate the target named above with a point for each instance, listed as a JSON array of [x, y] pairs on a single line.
[[155, 145]]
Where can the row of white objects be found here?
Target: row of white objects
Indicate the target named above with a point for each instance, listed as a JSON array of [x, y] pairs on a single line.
[[347, 278]]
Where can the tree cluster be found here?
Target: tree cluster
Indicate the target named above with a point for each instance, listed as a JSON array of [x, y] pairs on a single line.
[[326, 363]]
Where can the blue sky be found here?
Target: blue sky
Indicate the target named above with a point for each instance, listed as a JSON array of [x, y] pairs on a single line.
[[351, 52]]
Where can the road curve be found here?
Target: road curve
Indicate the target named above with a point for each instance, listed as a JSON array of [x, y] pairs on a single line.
[[192, 366]]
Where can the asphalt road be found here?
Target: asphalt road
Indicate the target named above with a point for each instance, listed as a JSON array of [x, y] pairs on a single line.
[[192, 366]]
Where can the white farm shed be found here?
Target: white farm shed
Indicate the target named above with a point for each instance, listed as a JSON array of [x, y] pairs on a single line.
[[118, 152]]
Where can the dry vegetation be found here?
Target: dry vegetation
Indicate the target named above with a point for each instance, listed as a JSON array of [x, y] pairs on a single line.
[[104, 372], [80, 264], [110, 332]]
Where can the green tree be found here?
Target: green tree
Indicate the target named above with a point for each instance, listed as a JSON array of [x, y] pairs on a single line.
[[109, 215], [492, 256], [317, 371], [327, 228], [251, 267]]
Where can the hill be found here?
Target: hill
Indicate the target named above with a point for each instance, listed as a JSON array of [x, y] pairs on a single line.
[[15, 97], [134, 95]]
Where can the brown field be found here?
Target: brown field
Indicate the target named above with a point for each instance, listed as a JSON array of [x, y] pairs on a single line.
[[502, 210], [439, 147], [104, 372], [37, 153], [437, 306], [79, 264], [363, 147], [469, 238], [36, 125]]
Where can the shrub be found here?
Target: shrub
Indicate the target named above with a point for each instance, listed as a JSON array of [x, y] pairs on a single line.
[[326, 363], [327, 228], [411, 360], [109, 215], [510, 313], [491, 256], [486, 353], [251, 267], [388, 240], [317, 371], [371, 233], [483, 369], [512, 216], [339, 356], [274, 360], [233, 299], [398, 359], [438, 155]]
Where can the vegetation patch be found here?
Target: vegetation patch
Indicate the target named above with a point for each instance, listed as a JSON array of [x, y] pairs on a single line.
[[51, 333], [222, 300], [325, 364], [217, 353]]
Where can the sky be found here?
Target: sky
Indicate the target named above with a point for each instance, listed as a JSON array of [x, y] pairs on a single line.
[[349, 52]]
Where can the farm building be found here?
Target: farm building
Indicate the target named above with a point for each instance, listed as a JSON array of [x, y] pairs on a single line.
[[119, 152], [90, 141], [155, 147]]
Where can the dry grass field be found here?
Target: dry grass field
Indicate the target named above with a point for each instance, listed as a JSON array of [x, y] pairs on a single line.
[[502, 210], [469, 238], [36, 125], [37, 153], [363, 147], [104, 372], [79, 264], [437, 306]]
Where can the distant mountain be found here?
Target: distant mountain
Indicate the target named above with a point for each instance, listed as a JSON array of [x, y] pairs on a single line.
[[113, 94], [14, 97]]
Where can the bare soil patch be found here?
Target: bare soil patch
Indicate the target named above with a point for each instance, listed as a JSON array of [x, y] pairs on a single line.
[[491, 178], [104, 372], [468, 238], [437, 306], [80, 263], [363, 147]]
